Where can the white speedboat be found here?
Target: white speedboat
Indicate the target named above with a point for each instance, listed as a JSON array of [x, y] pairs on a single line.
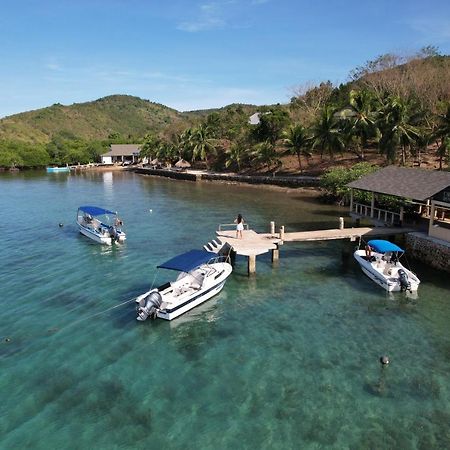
[[381, 264], [100, 225], [202, 275]]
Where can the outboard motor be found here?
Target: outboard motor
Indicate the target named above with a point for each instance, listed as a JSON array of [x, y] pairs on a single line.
[[148, 306], [405, 284], [113, 234]]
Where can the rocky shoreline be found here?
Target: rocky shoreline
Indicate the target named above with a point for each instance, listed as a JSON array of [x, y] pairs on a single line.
[[194, 175]]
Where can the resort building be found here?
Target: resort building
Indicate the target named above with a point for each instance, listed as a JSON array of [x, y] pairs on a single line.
[[122, 154], [254, 119], [424, 197]]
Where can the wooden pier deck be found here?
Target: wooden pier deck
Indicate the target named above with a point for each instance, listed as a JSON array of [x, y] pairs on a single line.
[[253, 243], [345, 233]]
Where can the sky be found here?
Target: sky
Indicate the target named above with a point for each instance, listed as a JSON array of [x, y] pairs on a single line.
[[192, 55]]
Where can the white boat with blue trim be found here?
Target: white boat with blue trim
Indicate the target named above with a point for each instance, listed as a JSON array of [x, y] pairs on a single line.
[[58, 169], [202, 275], [380, 261], [101, 225]]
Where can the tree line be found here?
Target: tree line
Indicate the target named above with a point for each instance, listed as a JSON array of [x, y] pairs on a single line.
[[399, 106], [63, 149]]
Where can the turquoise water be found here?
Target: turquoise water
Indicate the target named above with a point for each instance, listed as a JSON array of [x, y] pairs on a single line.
[[285, 359]]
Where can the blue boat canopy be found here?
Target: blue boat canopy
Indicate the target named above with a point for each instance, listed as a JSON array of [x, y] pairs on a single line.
[[382, 246], [187, 261], [95, 210]]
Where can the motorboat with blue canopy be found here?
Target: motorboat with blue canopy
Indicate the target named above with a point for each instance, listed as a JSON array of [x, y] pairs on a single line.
[[187, 261], [95, 210], [382, 246], [380, 261], [202, 275], [101, 225]]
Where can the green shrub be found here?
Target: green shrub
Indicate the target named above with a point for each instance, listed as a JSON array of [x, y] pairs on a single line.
[[335, 181]]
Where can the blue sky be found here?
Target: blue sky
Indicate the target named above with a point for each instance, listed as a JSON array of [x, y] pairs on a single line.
[[199, 54]]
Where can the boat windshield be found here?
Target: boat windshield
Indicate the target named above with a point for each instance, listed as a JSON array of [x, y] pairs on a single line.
[[97, 216]]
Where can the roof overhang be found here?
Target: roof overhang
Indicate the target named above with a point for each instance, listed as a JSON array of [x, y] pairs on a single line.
[[414, 184]]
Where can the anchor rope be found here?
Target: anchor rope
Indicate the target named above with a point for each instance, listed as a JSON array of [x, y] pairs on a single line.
[[97, 314], [57, 330]]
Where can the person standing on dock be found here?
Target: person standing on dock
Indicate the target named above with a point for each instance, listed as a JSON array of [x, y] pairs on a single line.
[[239, 221]]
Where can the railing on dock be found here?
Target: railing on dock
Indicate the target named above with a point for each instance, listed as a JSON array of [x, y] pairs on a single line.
[[382, 215], [229, 226]]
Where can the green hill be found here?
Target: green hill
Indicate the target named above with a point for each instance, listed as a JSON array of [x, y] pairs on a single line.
[[123, 115]]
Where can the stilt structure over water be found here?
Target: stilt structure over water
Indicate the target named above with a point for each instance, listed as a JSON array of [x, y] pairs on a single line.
[[253, 244]]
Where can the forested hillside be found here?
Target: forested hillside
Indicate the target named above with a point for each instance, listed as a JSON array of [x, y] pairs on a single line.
[[117, 115], [397, 107]]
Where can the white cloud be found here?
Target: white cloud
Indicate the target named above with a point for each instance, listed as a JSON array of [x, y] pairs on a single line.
[[53, 64], [434, 30], [203, 24], [210, 16], [217, 15]]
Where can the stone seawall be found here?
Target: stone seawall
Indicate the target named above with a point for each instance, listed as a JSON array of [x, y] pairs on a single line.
[[431, 251], [178, 175], [300, 181]]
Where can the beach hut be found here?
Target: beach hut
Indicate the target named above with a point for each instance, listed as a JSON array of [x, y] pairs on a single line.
[[182, 164]]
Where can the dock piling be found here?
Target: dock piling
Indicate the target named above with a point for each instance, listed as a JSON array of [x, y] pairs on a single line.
[[276, 254], [251, 264], [272, 227]]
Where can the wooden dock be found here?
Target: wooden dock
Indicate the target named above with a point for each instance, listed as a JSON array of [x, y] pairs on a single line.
[[345, 233], [253, 243]]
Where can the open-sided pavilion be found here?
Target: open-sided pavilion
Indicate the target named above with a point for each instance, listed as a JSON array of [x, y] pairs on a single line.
[[429, 190]]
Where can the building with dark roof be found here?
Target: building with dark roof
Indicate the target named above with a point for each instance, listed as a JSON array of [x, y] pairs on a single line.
[[122, 153], [413, 184], [430, 190]]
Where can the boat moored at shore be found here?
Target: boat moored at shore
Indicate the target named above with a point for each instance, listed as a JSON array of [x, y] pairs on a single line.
[[101, 225], [380, 262], [58, 169]]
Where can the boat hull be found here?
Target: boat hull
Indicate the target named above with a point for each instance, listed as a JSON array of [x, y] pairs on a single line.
[[384, 274], [57, 169], [174, 305], [97, 237], [191, 303]]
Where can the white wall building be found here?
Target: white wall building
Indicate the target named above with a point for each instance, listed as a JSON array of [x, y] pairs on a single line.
[[122, 153]]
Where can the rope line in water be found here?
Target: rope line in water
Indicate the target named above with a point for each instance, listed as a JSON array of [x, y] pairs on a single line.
[[97, 314], [55, 330]]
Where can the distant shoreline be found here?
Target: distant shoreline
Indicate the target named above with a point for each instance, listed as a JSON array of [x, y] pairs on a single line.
[[306, 184]]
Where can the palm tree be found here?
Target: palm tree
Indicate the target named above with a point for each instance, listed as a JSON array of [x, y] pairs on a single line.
[[361, 117], [443, 150], [150, 146], [166, 152], [265, 154], [397, 124], [185, 144], [443, 133], [201, 143], [236, 155], [326, 133], [296, 142]]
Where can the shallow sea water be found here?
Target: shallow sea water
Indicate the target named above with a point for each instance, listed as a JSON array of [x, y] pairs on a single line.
[[284, 359]]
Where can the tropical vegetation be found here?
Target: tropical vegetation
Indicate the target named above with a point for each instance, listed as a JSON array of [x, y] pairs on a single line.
[[397, 106]]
